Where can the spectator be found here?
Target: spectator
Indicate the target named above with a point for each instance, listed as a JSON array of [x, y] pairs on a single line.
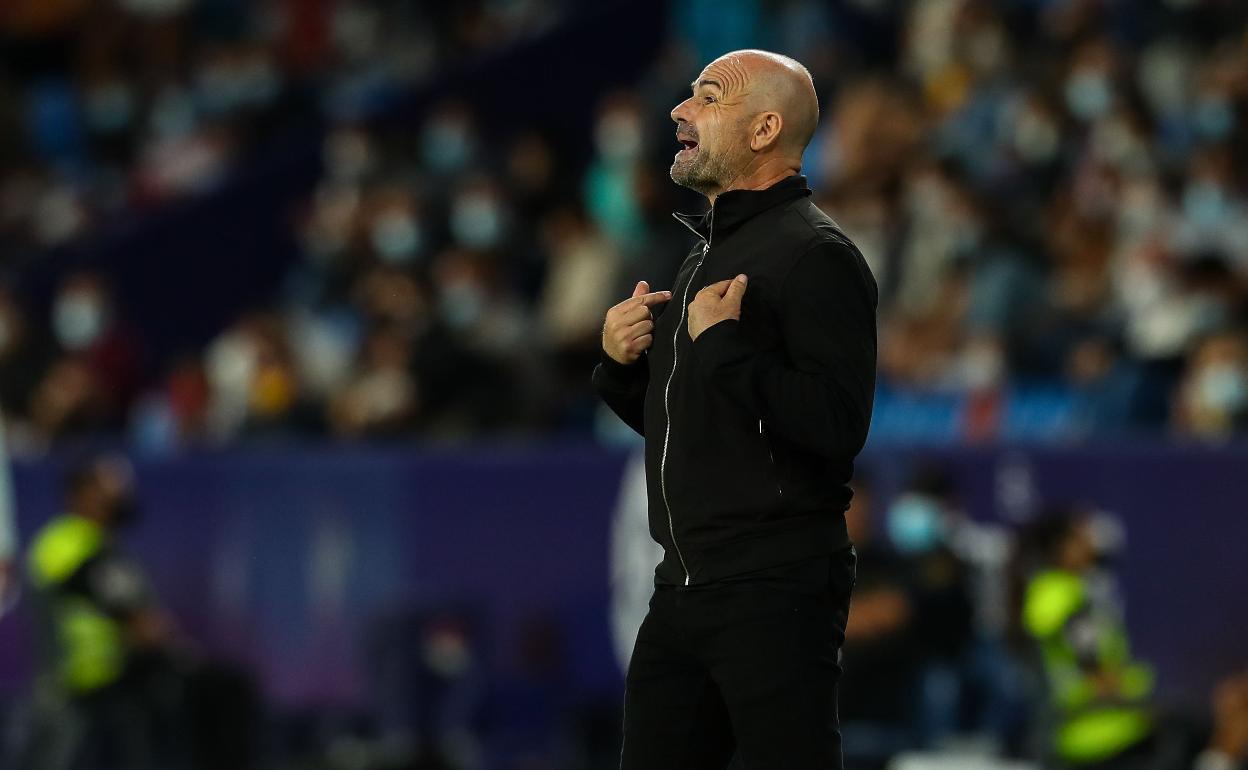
[[1213, 397]]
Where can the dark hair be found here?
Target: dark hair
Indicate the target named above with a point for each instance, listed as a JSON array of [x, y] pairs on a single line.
[[1040, 540]]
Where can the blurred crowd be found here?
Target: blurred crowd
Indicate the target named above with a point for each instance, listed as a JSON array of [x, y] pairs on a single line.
[[1053, 195], [971, 641]]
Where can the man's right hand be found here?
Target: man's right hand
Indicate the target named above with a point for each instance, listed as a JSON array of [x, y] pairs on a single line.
[[628, 330]]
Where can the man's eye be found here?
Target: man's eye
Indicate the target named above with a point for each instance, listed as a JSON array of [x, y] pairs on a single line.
[[708, 99]]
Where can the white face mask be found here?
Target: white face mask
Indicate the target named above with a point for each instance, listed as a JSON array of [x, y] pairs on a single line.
[[462, 304], [77, 320], [476, 221], [397, 238], [1221, 387], [618, 137], [1089, 94]]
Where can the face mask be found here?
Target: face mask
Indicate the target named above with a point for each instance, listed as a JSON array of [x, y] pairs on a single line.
[[461, 305], [1221, 387], [1088, 95], [982, 368], [915, 524], [1204, 203], [446, 147], [77, 320], [476, 221], [109, 108], [1213, 118], [259, 83], [172, 113], [1207, 313], [1036, 138], [219, 90], [618, 137], [1139, 210], [397, 238]]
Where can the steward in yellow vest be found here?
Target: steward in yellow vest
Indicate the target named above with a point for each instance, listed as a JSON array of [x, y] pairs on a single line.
[[1098, 694], [95, 616]]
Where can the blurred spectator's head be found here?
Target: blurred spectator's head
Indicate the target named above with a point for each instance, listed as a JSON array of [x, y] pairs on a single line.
[[478, 215], [102, 489], [448, 142], [1213, 398], [920, 519], [620, 132], [395, 230], [81, 312]]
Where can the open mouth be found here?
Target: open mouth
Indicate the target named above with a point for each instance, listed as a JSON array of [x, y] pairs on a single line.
[[687, 145]]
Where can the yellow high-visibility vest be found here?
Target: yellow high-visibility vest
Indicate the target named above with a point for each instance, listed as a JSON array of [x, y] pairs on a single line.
[[90, 647]]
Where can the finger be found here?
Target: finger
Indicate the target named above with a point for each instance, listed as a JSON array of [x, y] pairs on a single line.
[[639, 329], [641, 343], [632, 315], [653, 298], [736, 290], [718, 288], [641, 288]]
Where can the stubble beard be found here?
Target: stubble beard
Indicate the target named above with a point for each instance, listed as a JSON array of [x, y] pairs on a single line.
[[705, 173]]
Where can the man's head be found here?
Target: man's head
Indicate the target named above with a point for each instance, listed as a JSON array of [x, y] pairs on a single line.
[[102, 490], [750, 117]]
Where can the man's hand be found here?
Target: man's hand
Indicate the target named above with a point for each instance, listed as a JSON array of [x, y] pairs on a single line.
[[717, 302], [627, 332]]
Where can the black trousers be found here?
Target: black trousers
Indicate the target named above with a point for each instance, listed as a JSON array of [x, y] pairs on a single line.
[[747, 665]]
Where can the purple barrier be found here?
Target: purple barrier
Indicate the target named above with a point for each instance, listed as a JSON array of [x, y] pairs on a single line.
[[281, 559]]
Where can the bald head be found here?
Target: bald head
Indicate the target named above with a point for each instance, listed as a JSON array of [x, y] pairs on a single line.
[[748, 122], [780, 84]]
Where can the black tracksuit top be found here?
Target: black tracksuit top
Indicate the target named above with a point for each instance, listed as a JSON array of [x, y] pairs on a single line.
[[752, 430]]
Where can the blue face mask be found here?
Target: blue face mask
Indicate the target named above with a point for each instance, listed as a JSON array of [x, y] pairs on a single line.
[[446, 147], [1088, 95], [1204, 203], [461, 305], [916, 524], [397, 238], [1213, 118], [109, 109], [1222, 387], [476, 222]]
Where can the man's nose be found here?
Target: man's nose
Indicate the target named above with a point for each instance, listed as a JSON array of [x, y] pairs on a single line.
[[678, 113]]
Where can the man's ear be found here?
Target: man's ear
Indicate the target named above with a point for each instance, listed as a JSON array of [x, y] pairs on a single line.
[[766, 131]]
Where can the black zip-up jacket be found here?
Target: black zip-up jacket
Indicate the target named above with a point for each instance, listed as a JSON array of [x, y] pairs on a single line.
[[752, 430]]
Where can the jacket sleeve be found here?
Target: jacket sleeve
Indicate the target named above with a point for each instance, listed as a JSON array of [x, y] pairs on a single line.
[[623, 388], [818, 390]]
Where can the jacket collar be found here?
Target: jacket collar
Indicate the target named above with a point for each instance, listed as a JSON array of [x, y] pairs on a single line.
[[735, 207]]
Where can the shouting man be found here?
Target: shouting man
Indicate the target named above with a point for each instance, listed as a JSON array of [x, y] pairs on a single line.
[[753, 392]]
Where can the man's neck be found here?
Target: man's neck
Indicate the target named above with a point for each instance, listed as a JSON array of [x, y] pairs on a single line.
[[761, 178]]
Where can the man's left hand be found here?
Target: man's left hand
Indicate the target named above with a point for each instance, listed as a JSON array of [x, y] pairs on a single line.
[[717, 302]]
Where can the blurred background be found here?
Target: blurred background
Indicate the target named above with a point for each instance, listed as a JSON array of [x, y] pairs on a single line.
[[315, 287]]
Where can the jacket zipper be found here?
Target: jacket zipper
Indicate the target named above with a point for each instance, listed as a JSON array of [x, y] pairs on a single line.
[[772, 457], [667, 408]]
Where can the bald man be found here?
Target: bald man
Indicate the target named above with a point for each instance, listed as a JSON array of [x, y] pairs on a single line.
[[752, 382]]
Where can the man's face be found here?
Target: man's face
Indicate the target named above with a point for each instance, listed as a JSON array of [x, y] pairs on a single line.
[[712, 126]]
